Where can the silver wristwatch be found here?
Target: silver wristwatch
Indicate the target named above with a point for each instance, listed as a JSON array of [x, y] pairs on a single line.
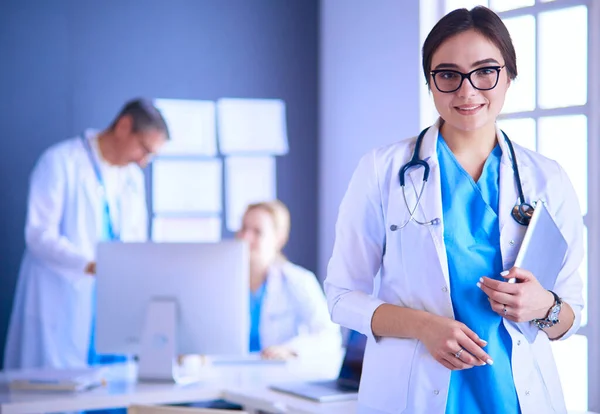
[[552, 318]]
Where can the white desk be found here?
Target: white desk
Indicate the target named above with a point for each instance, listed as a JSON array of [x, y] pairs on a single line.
[[244, 384]]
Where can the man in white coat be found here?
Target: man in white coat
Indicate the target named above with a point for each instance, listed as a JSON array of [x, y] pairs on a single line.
[[83, 190]]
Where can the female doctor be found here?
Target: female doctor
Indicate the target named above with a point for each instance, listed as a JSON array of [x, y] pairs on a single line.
[[83, 190], [441, 328], [288, 311]]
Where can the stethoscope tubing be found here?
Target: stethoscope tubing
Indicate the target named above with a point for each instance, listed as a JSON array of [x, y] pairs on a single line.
[[521, 212]]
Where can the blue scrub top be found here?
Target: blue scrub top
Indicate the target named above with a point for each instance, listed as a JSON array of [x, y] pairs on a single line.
[[256, 300], [472, 238]]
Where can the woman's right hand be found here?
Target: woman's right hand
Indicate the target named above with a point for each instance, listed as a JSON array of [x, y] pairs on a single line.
[[444, 338]]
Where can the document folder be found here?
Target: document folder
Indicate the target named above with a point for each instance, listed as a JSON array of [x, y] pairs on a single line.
[[542, 253]]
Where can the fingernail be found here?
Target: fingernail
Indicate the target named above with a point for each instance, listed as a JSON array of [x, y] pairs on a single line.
[[478, 284], [504, 273], [490, 362], [484, 342], [482, 364], [481, 279]]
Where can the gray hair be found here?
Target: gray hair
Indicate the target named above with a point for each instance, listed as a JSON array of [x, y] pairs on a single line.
[[145, 116]]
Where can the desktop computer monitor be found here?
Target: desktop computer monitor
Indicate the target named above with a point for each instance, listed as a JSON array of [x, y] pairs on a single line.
[[160, 300]]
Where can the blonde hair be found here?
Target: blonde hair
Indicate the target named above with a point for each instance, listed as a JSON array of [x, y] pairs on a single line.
[[281, 218]]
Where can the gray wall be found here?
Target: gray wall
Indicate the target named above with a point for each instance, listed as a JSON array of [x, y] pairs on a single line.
[[369, 94], [70, 64]]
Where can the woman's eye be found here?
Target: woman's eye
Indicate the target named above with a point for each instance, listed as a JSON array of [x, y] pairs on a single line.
[[485, 72], [448, 75]]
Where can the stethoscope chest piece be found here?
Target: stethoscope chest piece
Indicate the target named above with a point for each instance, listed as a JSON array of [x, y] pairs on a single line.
[[522, 213]]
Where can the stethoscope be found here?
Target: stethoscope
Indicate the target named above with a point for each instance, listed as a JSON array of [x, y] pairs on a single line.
[[521, 212], [112, 234]]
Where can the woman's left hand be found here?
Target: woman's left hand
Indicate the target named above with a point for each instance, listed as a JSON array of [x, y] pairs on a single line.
[[521, 301]]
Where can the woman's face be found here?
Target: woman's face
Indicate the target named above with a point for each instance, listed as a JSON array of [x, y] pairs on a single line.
[[469, 109], [258, 230]]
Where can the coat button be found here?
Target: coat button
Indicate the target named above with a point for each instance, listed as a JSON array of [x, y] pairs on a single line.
[[512, 242], [393, 227], [527, 393], [444, 289], [436, 392]]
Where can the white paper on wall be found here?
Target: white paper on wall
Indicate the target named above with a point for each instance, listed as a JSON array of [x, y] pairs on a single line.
[[187, 186], [255, 126], [186, 229], [192, 126], [248, 180]]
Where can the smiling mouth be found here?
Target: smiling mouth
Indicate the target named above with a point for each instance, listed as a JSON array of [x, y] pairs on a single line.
[[468, 109]]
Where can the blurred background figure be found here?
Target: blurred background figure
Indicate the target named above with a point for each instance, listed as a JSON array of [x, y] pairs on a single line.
[[288, 310], [83, 190]]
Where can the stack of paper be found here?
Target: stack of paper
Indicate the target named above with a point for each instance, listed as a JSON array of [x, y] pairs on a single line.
[[57, 379]]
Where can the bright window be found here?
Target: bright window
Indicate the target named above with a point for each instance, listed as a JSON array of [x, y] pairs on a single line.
[[563, 53], [521, 93]]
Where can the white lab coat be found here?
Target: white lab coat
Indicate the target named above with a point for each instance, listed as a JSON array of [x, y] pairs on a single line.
[[399, 375], [294, 313], [51, 317]]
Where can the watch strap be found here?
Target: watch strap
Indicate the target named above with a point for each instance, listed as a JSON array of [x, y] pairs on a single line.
[[546, 322]]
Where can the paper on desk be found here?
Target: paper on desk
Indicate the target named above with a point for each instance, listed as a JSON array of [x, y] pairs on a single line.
[[186, 229], [255, 126], [50, 379], [187, 186], [248, 180], [192, 126]]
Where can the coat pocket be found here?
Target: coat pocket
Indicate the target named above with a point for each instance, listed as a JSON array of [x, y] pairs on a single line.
[[386, 374]]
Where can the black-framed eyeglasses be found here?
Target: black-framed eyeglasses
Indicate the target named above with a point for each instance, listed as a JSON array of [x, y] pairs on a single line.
[[483, 79]]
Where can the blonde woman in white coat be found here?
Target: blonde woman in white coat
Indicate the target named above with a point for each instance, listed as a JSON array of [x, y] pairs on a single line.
[[441, 327], [289, 315]]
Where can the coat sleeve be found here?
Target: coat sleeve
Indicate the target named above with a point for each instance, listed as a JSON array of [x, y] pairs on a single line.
[[45, 209], [569, 286], [358, 251], [317, 333]]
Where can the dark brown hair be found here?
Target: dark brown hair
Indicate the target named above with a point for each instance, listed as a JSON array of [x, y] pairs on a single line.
[[483, 21]]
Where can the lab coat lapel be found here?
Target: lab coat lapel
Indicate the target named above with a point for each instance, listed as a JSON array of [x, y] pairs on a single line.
[[92, 188], [430, 206], [93, 193], [272, 299], [511, 232], [508, 193], [509, 196]]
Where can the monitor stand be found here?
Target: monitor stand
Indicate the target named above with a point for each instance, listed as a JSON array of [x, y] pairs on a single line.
[[158, 348]]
